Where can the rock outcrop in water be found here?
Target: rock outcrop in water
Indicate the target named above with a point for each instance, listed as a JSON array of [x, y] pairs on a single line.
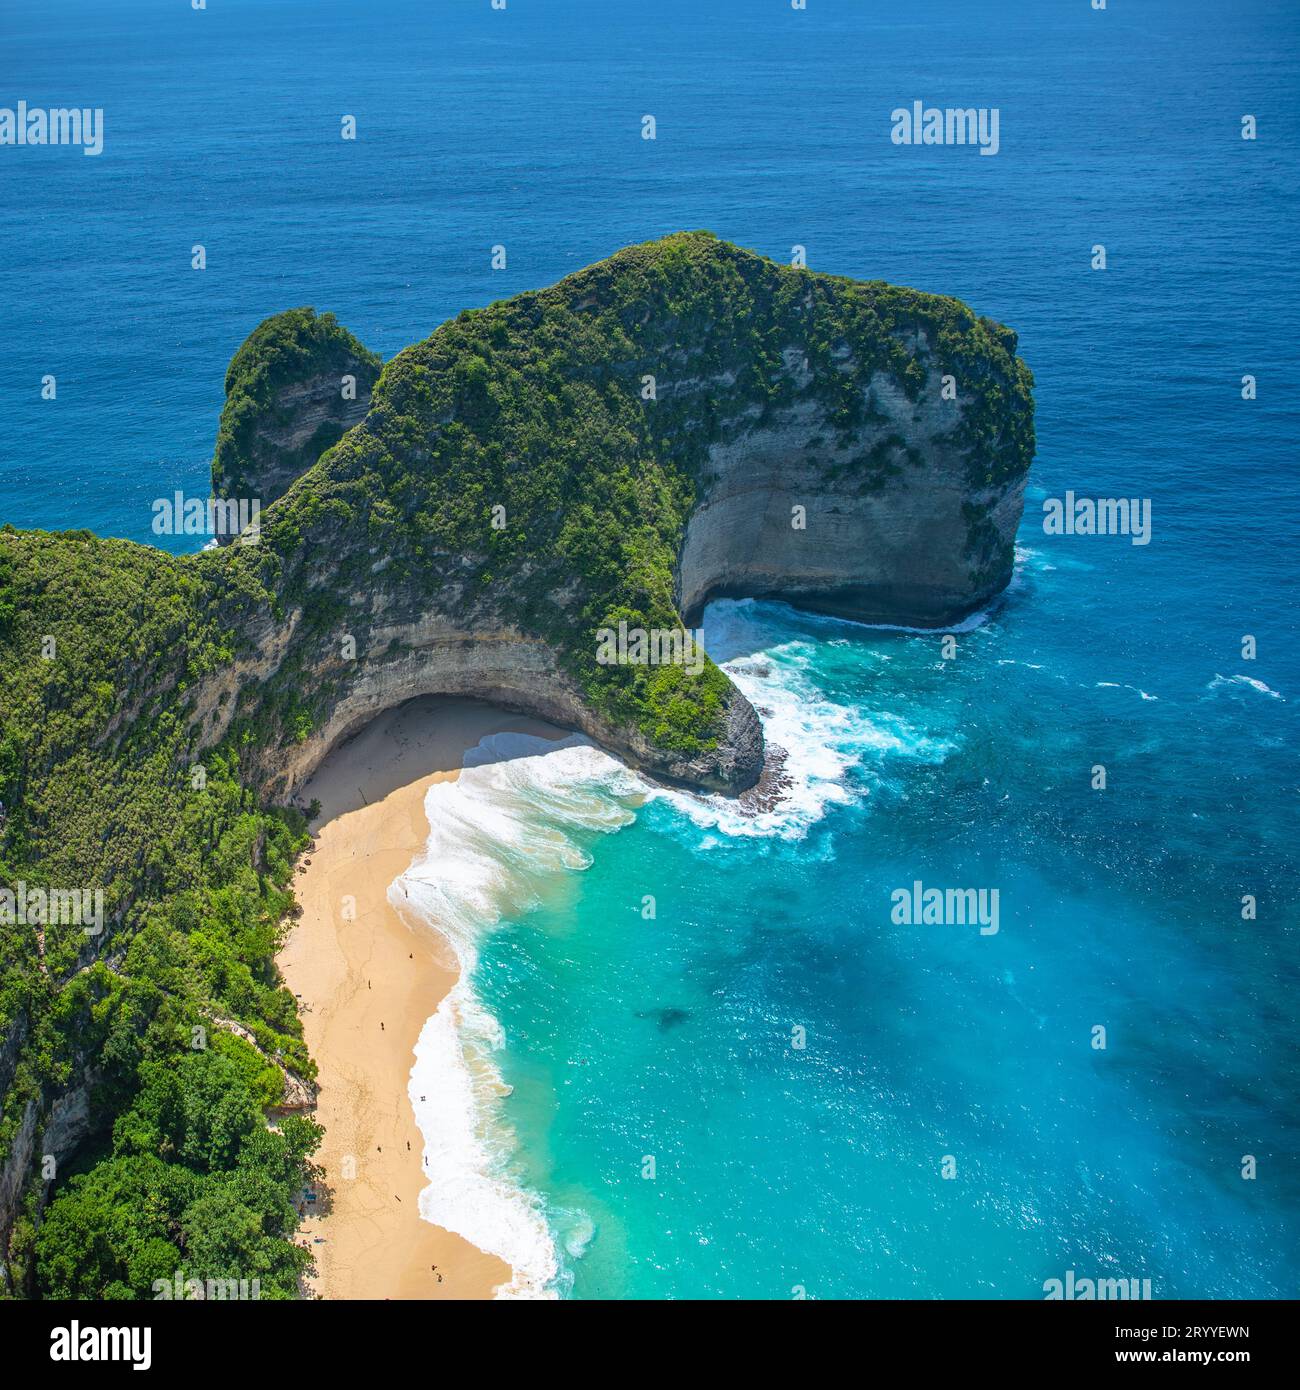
[[684, 421], [292, 390]]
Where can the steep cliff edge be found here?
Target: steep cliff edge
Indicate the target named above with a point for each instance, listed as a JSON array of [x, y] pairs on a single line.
[[897, 523], [683, 420]]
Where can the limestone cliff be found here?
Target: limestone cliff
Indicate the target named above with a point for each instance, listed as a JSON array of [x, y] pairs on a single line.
[[683, 421], [913, 540]]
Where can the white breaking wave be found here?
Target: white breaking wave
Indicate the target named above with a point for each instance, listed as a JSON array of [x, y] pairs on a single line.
[[495, 833], [815, 736], [1219, 682], [1117, 685], [821, 740]]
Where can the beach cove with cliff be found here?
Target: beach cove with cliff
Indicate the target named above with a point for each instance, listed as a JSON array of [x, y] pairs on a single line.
[[605, 974], [452, 951], [603, 1036]]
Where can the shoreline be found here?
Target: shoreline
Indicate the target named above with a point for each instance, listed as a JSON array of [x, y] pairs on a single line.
[[367, 979]]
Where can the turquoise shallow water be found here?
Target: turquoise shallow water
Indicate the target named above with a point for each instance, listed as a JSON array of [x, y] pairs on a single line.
[[779, 1168]]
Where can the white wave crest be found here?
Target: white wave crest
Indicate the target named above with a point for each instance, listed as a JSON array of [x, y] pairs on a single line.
[[495, 834], [1226, 682]]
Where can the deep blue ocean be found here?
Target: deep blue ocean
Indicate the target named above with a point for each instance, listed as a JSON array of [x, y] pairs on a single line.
[[781, 1169]]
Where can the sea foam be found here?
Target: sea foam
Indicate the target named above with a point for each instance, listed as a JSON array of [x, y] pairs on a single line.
[[1227, 682], [496, 833], [819, 740]]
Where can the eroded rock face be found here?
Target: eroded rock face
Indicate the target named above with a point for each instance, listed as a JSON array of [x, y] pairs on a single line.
[[55, 1130], [922, 546], [295, 387], [404, 653]]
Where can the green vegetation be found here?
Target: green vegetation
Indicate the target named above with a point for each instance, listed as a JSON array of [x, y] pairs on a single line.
[[196, 1187], [294, 347], [535, 405], [97, 786]]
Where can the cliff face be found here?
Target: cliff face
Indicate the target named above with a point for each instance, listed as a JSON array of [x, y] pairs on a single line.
[[293, 389], [408, 652], [923, 544], [684, 421]]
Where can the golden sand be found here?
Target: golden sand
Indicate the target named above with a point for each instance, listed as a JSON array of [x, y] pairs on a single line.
[[366, 986]]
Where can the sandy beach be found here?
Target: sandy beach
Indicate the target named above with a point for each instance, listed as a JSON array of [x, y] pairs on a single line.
[[366, 984]]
